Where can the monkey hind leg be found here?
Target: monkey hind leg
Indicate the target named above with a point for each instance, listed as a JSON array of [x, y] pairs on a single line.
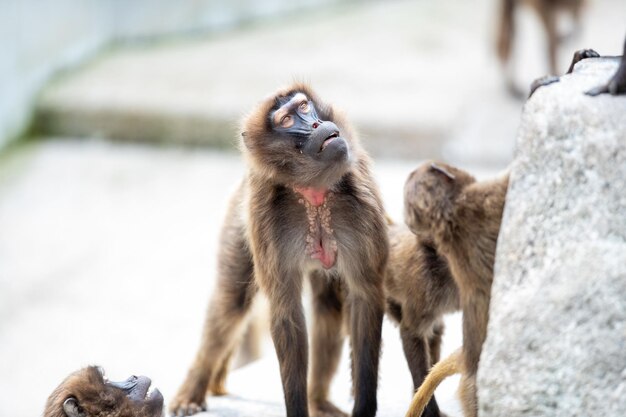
[[223, 327], [327, 343], [467, 395]]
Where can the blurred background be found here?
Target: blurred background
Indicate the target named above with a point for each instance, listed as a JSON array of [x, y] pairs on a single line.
[[118, 130]]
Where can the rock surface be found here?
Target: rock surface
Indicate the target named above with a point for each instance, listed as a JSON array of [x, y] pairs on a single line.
[[556, 343]]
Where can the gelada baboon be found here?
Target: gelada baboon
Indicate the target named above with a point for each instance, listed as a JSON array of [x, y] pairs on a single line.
[[419, 290], [88, 393], [548, 11], [463, 217], [616, 85], [308, 207]]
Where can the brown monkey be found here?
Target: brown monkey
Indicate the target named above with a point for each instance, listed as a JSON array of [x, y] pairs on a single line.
[[308, 206], [463, 217], [419, 290], [88, 393], [547, 11]]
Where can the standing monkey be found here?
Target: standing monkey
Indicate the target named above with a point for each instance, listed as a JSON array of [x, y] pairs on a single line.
[[463, 216], [420, 290], [548, 11], [308, 206]]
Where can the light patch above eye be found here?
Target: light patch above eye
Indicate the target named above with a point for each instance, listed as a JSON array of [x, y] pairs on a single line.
[[294, 103]]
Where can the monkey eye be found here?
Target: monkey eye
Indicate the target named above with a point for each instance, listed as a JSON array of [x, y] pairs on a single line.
[[304, 107], [286, 121]]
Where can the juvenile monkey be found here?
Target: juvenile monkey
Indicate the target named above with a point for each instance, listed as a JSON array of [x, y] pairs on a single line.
[[463, 217], [88, 393], [548, 11], [419, 290], [308, 207]]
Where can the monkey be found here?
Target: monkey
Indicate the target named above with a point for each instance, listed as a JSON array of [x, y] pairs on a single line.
[[88, 393], [616, 85], [307, 207], [547, 11], [419, 290], [463, 217]]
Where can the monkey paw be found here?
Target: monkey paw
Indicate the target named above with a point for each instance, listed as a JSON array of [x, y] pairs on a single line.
[[326, 409], [218, 389], [182, 405], [542, 81]]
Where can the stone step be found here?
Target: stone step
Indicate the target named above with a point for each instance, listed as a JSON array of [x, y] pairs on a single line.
[[389, 72]]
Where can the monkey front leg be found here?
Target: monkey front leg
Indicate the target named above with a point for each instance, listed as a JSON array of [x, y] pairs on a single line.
[[288, 329], [326, 345], [366, 319], [617, 84]]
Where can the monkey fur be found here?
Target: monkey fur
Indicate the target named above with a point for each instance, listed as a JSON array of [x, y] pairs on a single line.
[[547, 11], [307, 207], [463, 218], [88, 393], [419, 290]]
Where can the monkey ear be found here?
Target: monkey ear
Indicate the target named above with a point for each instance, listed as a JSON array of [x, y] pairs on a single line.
[[72, 408], [443, 171]]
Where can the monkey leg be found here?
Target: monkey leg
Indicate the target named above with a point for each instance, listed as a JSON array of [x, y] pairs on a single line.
[[365, 332], [327, 343], [434, 342], [467, 395], [223, 327], [288, 330], [475, 305], [417, 352], [548, 18], [217, 384]]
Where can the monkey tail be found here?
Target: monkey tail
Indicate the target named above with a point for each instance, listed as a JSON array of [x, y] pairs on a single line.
[[506, 30], [442, 369]]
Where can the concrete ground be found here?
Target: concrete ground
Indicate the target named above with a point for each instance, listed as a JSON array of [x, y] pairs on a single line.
[[107, 256], [419, 78]]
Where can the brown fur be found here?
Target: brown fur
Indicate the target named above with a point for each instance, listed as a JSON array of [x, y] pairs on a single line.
[[419, 290], [547, 10], [95, 397], [463, 216], [263, 245]]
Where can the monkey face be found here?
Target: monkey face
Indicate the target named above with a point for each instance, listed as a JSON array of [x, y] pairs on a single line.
[[298, 142], [88, 392]]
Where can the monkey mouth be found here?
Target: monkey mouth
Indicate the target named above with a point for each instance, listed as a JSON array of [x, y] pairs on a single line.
[[328, 140]]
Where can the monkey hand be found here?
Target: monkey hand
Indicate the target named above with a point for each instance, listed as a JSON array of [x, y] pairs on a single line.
[[542, 81], [325, 409]]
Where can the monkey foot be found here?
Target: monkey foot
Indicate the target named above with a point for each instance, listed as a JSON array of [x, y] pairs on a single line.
[[218, 389], [326, 409], [542, 81], [182, 409], [580, 55]]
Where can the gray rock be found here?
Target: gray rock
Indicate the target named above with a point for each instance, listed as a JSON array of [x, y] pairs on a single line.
[[556, 343]]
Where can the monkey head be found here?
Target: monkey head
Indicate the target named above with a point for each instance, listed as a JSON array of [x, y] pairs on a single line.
[[430, 194], [88, 393], [295, 139]]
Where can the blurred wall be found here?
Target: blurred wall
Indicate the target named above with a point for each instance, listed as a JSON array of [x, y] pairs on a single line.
[[40, 37]]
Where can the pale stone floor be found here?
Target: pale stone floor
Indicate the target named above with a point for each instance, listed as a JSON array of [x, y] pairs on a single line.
[[107, 256]]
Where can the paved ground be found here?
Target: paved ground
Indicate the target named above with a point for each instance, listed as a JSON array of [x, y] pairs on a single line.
[[107, 256]]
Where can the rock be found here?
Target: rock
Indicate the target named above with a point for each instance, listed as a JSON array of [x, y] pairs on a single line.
[[556, 343]]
